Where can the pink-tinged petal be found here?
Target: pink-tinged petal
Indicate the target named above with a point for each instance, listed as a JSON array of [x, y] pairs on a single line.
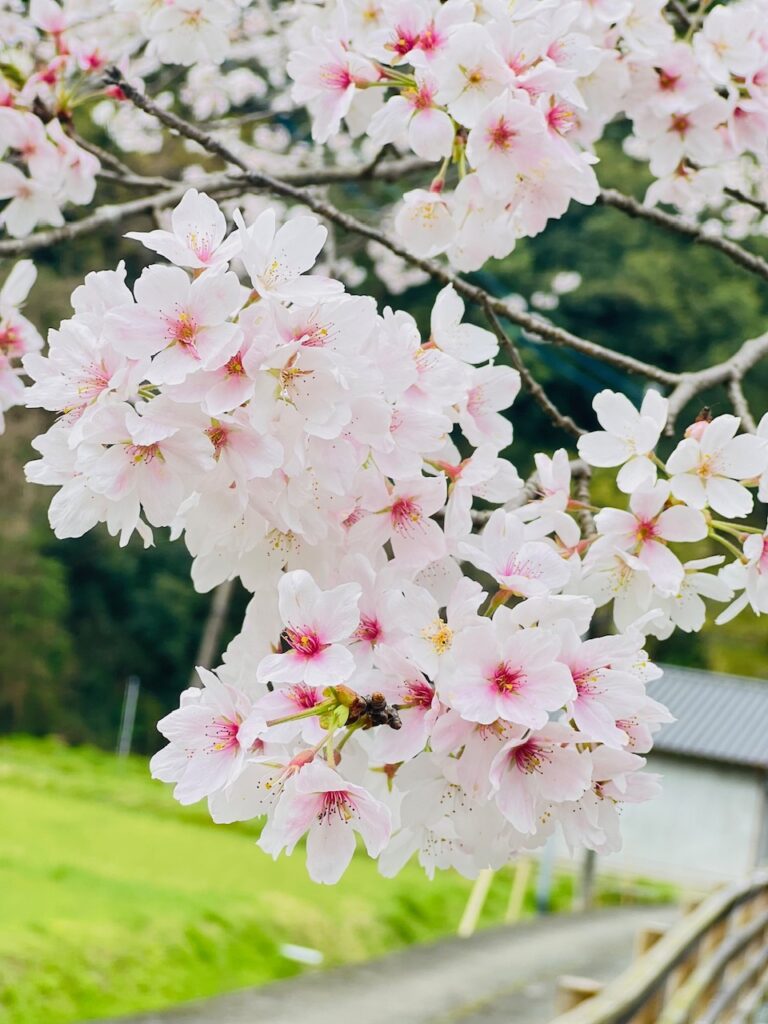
[[638, 472], [330, 847], [690, 489], [515, 800], [685, 457], [136, 332], [665, 568], [336, 614], [297, 596], [681, 524], [728, 498], [281, 668], [374, 822], [214, 296], [602, 449], [619, 525], [615, 412], [596, 722], [162, 289], [334, 664], [165, 244], [431, 133], [647, 503], [419, 543], [743, 458], [718, 433]]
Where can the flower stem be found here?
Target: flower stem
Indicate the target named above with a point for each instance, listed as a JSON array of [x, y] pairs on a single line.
[[318, 709], [727, 545]]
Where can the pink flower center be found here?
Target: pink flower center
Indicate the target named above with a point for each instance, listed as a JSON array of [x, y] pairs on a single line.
[[500, 135], [506, 678], [10, 339], [405, 514], [430, 39], [515, 567], [144, 452], [529, 758], [336, 76], [223, 733], [183, 330], [336, 803], [304, 640], [305, 697], [680, 123], [234, 368], [369, 630], [418, 694], [421, 98], [667, 80], [218, 435], [404, 42], [645, 530], [201, 246]]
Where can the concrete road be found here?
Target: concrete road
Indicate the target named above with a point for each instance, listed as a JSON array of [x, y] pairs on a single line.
[[500, 976]]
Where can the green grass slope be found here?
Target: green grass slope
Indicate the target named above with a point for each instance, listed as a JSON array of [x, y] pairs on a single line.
[[115, 899]]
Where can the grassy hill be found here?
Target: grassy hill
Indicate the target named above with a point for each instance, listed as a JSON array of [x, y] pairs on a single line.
[[116, 899]]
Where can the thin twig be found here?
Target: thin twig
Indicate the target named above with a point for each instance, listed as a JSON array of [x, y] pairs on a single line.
[[730, 371], [740, 405], [535, 389], [533, 324]]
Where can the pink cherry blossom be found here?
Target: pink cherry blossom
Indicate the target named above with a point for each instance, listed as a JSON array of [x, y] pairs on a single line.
[[500, 672], [196, 238], [210, 736], [539, 767], [317, 623], [318, 801], [645, 530]]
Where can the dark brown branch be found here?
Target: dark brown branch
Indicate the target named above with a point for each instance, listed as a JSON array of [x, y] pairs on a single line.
[[533, 387]]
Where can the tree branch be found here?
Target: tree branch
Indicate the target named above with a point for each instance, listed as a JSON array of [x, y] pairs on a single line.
[[533, 324], [731, 373], [535, 389], [688, 228]]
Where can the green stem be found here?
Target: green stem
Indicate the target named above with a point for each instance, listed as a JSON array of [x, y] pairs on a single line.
[[728, 546], [350, 729], [733, 528], [318, 709]]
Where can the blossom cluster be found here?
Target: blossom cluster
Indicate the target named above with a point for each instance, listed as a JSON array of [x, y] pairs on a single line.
[[412, 667], [515, 102], [18, 336]]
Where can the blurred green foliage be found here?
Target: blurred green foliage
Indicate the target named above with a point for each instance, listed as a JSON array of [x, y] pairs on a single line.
[[77, 617]]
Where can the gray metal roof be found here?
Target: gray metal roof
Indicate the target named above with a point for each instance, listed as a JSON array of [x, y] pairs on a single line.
[[719, 717]]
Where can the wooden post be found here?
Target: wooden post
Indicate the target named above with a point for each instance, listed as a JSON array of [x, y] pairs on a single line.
[[475, 903], [523, 870], [572, 991], [209, 648], [585, 896], [647, 938]]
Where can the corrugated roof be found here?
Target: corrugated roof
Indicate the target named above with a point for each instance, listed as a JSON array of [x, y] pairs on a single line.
[[719, 717]]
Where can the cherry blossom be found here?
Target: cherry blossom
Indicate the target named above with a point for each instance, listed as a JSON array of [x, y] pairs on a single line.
[[707, 469], [627, 437], [318, 801], [316, 624]]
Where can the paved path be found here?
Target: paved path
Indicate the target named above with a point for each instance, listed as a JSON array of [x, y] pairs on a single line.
[[501, 976]]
